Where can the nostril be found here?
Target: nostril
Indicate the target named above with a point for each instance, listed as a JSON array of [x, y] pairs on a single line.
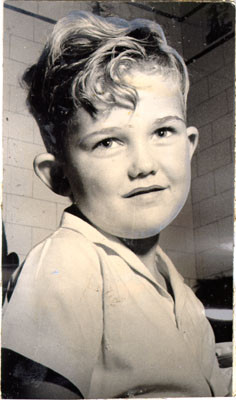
[[135, 172], [142, 170]]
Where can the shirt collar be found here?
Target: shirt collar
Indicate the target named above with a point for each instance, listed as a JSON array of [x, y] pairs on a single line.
[[71, 219]]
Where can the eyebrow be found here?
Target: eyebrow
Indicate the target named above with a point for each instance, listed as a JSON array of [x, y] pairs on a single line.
[[168, 119], [103, 131]]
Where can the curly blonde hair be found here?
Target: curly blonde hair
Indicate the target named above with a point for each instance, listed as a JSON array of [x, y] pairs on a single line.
[[83, 65]]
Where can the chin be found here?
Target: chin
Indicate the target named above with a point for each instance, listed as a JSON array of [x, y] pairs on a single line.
[[143, 226], [147, 229], [139, 232]]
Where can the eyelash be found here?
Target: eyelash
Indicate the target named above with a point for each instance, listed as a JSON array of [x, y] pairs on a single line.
[[101, 143], [165, 130]]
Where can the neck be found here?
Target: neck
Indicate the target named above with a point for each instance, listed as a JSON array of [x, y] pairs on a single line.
[[145, 249]]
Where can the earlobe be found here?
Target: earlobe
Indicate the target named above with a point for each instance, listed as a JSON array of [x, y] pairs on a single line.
[[193, 135], [51, 173]]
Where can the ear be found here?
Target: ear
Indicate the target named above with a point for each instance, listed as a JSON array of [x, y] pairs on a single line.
[[193, 135], [51, 173]]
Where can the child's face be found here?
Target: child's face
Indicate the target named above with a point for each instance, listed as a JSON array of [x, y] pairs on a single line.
[[129, 171]]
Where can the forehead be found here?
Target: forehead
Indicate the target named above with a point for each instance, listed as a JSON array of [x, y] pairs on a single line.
[[153, 79], [155, 94], [157, 97]]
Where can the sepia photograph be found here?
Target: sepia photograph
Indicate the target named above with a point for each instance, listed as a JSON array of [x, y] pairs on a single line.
[[117, 199]]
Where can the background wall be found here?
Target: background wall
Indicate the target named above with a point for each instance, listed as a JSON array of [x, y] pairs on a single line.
[[200, 239], [211, 109]]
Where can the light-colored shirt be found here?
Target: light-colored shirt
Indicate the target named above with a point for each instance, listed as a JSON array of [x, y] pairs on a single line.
[[89, 309]]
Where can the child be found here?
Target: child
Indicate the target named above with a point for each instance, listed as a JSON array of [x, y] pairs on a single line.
[[99, 310]]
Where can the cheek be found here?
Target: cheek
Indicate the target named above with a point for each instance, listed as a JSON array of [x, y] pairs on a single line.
[[96, 177], [178, 165]]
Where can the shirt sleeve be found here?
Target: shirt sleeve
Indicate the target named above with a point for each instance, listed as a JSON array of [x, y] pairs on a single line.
[[218, 381], [55, 316], [205, 349]]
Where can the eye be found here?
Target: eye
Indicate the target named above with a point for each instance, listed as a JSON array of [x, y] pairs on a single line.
[[107, 143], [164, 132]]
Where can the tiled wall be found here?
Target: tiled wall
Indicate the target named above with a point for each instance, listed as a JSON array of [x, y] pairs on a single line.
[[31, 211], [211, 109]]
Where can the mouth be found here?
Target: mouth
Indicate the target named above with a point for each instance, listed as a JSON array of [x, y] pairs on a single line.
[[143, 190]]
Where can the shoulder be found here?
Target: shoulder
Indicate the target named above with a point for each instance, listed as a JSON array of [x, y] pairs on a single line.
[[63, 267], [66, 252], [55, 315], [193, 302]]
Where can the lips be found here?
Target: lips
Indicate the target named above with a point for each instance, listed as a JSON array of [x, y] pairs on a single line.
[[143, 190]]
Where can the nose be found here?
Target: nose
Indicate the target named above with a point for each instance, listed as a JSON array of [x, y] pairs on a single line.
[[142, 162]]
